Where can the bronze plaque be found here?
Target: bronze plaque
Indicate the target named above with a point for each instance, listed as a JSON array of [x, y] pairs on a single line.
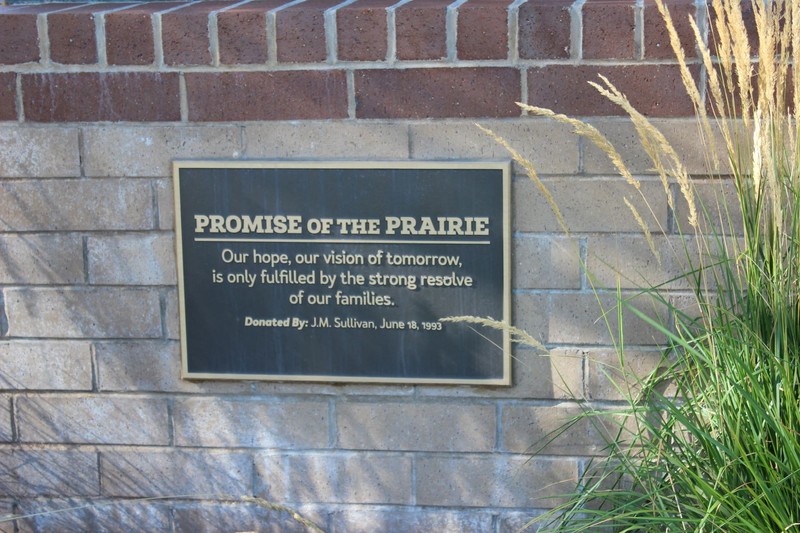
[[340, 271]]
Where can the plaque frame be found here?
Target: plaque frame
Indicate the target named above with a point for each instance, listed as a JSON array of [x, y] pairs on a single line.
[[216, 164]]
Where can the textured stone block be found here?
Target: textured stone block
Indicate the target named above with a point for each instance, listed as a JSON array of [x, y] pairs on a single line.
[[416, 426], [369, 521], [82, 313], [546, 263], [209, 475], [494, 480], [599, 208], [153, 365], [628, 262], [39, 152], [552, 147], [75, 205], [184, 34], [220, 422], [92, 419], [101, 96], [49, 365], [334, 478], [721, 202], [610, 377], [577, 318], [93, 515], [331, 140], [654, 90], [551, 430], [421, 30], [8, 96], [213, 518], [544, 29], [608, 28], [282, 95], [30, 258], [149, 150], [300, 32], [137, 259], [437, 93], [483, 29], [64, 473], [682, 134], [361, 30]]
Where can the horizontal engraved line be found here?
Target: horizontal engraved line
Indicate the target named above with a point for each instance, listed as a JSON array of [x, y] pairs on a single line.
[[341, 241]]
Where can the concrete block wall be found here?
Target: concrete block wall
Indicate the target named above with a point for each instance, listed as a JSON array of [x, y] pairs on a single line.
[[96, 100]]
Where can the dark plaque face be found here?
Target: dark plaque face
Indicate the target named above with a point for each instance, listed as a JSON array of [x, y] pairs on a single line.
[[342, 271]]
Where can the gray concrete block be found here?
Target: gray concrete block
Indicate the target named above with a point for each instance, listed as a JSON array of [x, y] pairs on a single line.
[[41, 259], [76, 205], [134, 259], [82, 313], [551, 147], [327, 140], [244, 423], [92, 419], [415, 426], [61, 473], [50, 152], [151, 365], [494, 480], [207, 475], [46, 365], [334, 478], [544, 262], [148, 151]]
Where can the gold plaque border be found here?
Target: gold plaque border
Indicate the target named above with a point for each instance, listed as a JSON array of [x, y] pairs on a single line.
[[505, 166]]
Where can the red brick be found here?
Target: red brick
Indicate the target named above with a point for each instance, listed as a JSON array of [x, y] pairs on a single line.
[[184, 34], [361, 30], [283, 95], [129, 34], [483, 29], [748, 17], [300, 32], [72, 38], [421, 30], [89, 97], [656, 37], [242, 33], [544, 29], [8, 91], [608, 27], [437, 93], [72, 34], [19, 39], [655, 90]]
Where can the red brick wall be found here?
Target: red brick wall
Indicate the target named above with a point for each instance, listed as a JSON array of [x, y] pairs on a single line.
[[271, 60]]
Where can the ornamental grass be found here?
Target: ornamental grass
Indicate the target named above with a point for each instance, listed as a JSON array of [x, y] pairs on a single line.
[[710, 441]]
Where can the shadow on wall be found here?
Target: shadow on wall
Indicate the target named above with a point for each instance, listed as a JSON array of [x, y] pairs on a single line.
[[90, 375]]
